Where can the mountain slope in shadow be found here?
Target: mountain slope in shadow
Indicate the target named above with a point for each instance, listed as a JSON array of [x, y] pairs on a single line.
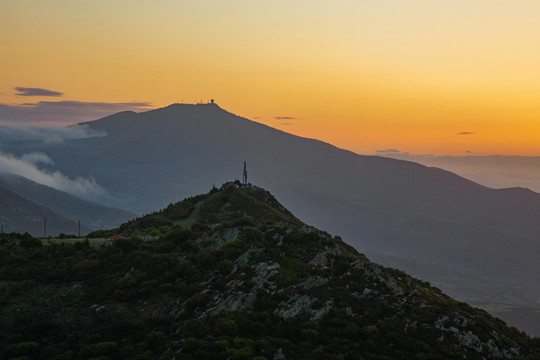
[[20, 215], [92, 216]]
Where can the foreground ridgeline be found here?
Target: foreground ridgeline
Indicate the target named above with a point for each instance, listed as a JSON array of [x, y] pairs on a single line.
[[231, 274]]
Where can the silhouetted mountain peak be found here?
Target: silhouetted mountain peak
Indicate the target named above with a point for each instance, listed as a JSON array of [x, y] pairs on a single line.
[[173, 115], [239, 256]]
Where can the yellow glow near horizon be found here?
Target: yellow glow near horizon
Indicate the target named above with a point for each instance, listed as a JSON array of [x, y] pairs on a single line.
[[363, 75]]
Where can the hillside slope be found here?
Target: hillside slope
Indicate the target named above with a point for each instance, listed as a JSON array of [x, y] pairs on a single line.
[[20, 215], [92, 216], [235, 276]]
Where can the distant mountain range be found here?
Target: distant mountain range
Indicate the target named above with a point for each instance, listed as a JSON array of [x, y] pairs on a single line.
[[495, 171], [62, 210], [400, 212], [20, 215]]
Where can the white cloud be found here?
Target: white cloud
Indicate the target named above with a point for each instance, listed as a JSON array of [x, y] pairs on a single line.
[[26, 166], [37, 158], [49, 135], [64, 112]]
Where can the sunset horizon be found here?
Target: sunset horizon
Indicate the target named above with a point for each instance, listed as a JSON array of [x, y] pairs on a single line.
[[445, 78]]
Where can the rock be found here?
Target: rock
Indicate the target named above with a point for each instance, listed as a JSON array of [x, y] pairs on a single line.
[[230, 235], [493, 350], [264, 272], [394, 287], [439, 323], [279, 355], [321, 260], [241, 260], [238, 301], [296, 304], [317, 314], [312, 282], [129, 273]]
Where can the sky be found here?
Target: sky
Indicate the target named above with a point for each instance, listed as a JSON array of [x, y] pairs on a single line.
[[423, 77]]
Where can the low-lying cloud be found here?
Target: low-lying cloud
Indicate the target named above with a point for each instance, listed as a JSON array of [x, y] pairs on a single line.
[[27, 166], [37, 158], [64, 112], [388, 151], [24, 91], [284, 118], [466, 133], [48, 135]]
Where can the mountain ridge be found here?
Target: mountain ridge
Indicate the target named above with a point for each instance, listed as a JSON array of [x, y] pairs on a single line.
[[18, 214], [234, 275]]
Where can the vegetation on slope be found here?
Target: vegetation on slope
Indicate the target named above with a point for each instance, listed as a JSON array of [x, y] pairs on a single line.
[[229, 275]]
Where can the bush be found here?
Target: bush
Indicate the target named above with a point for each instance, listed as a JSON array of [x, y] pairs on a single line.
[[225, 266], [30, 243], [199, 227], [226, 327], [85, 266], [177, 235], [106, 348], [156, 341], [22, 349], [243, 221]]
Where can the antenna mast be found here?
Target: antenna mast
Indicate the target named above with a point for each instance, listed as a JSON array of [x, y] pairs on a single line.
[[244, 179]]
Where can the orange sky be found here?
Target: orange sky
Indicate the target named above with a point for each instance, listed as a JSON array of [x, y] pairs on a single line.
[[363, 75]]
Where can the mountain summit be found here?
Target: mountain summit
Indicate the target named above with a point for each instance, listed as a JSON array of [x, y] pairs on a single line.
[[234, 275]]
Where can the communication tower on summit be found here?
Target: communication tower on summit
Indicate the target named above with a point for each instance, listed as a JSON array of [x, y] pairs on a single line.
[[244, 178]]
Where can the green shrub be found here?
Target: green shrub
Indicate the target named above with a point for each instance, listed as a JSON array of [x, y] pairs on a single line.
[[28, 349], [225, 266], [85, 266], [106, 348], [243, 221], [226, 327], [30, 243]]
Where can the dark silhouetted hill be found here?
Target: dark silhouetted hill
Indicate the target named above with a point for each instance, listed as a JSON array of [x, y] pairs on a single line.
[[233, 276]]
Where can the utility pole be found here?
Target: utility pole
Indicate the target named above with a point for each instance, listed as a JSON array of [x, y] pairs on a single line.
[[44, 227], [79, 227], [2, 229], [244, 179]]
